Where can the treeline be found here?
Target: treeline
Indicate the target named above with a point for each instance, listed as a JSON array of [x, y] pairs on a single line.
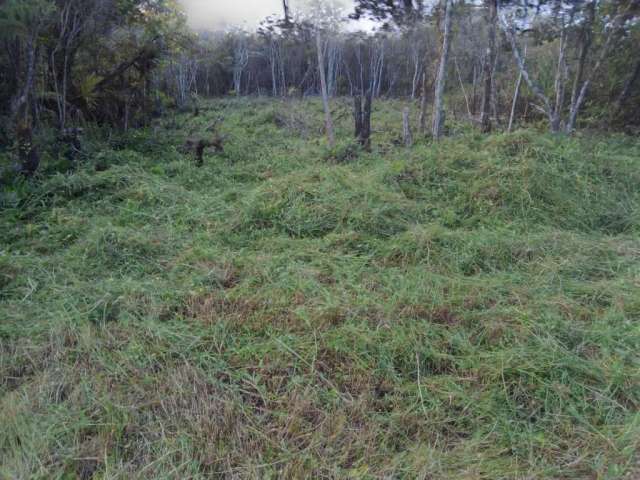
[[505, 62], [494, 63]]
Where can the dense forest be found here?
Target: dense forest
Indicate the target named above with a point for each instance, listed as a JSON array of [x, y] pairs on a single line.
[[368, 239]]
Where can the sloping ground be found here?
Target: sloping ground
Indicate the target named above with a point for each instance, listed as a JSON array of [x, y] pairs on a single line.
[[465, 310]]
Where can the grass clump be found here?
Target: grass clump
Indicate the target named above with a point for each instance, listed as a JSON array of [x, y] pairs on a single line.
[[461, 310], [315, 202]]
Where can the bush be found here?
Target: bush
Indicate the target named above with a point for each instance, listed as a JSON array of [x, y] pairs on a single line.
[[343, 152]]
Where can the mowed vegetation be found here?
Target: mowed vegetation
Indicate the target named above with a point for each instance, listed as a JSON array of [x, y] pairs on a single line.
[[466, 309]]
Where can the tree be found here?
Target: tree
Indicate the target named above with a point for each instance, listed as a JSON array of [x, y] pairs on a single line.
[[79, 60], [581, 14], [492, 21], [362, 65], [441, 78], [24, 24], [625, 93], [240, 62], [23, 31], [516, 94], [407, 13], [328, 121], [626, 10]]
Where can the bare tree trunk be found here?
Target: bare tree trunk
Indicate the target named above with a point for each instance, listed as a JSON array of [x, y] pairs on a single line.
[[21, 104], [283, 78], [348, 74], [475, 90], [362, 117], [415, 57], [423, 103], [407, 136], [561, 73], [495, 110], [516, 94], [616, 25], [240, 62], [272, 59], [333, 68], [65, 89], [380, 72], [328, 122], [393, 78], [586, 37], [21, 107], [366, 120], [377, 67], [74, 31], [485, 115], [438, 103], [606, 48], [357, 116], [27, 152], [535, 88], [626, 89], [464, 90]]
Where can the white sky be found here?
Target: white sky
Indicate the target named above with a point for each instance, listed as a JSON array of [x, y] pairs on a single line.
[[209, 14]]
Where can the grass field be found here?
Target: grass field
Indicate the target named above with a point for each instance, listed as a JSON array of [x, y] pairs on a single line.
[[465, 310]]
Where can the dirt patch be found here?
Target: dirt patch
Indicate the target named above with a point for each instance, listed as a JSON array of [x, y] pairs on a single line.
[[213, 307], [442, 315]]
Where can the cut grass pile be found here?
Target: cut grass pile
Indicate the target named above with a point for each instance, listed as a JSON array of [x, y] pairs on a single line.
[[463, 310]]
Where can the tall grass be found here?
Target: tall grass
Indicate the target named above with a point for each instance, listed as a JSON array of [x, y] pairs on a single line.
[[462, 310]]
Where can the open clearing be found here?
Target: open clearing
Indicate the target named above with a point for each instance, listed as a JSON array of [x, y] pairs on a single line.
[[469, 309]]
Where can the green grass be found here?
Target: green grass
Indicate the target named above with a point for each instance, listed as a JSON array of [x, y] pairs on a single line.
[[463, 310]]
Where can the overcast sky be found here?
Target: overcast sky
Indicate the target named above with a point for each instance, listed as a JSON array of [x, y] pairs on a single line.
[[215, 13]]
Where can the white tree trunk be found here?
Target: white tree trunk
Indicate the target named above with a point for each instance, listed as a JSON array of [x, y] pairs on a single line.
[[407, 136], [535, 88], [485, 115], [606, 48], [441, 79], [328, 122], [516, 94], [559, 85], [464, 90]]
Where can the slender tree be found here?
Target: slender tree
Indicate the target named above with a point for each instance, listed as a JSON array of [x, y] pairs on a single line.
[[441, 78], [516, 94], [328, 121], [492, 22]]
